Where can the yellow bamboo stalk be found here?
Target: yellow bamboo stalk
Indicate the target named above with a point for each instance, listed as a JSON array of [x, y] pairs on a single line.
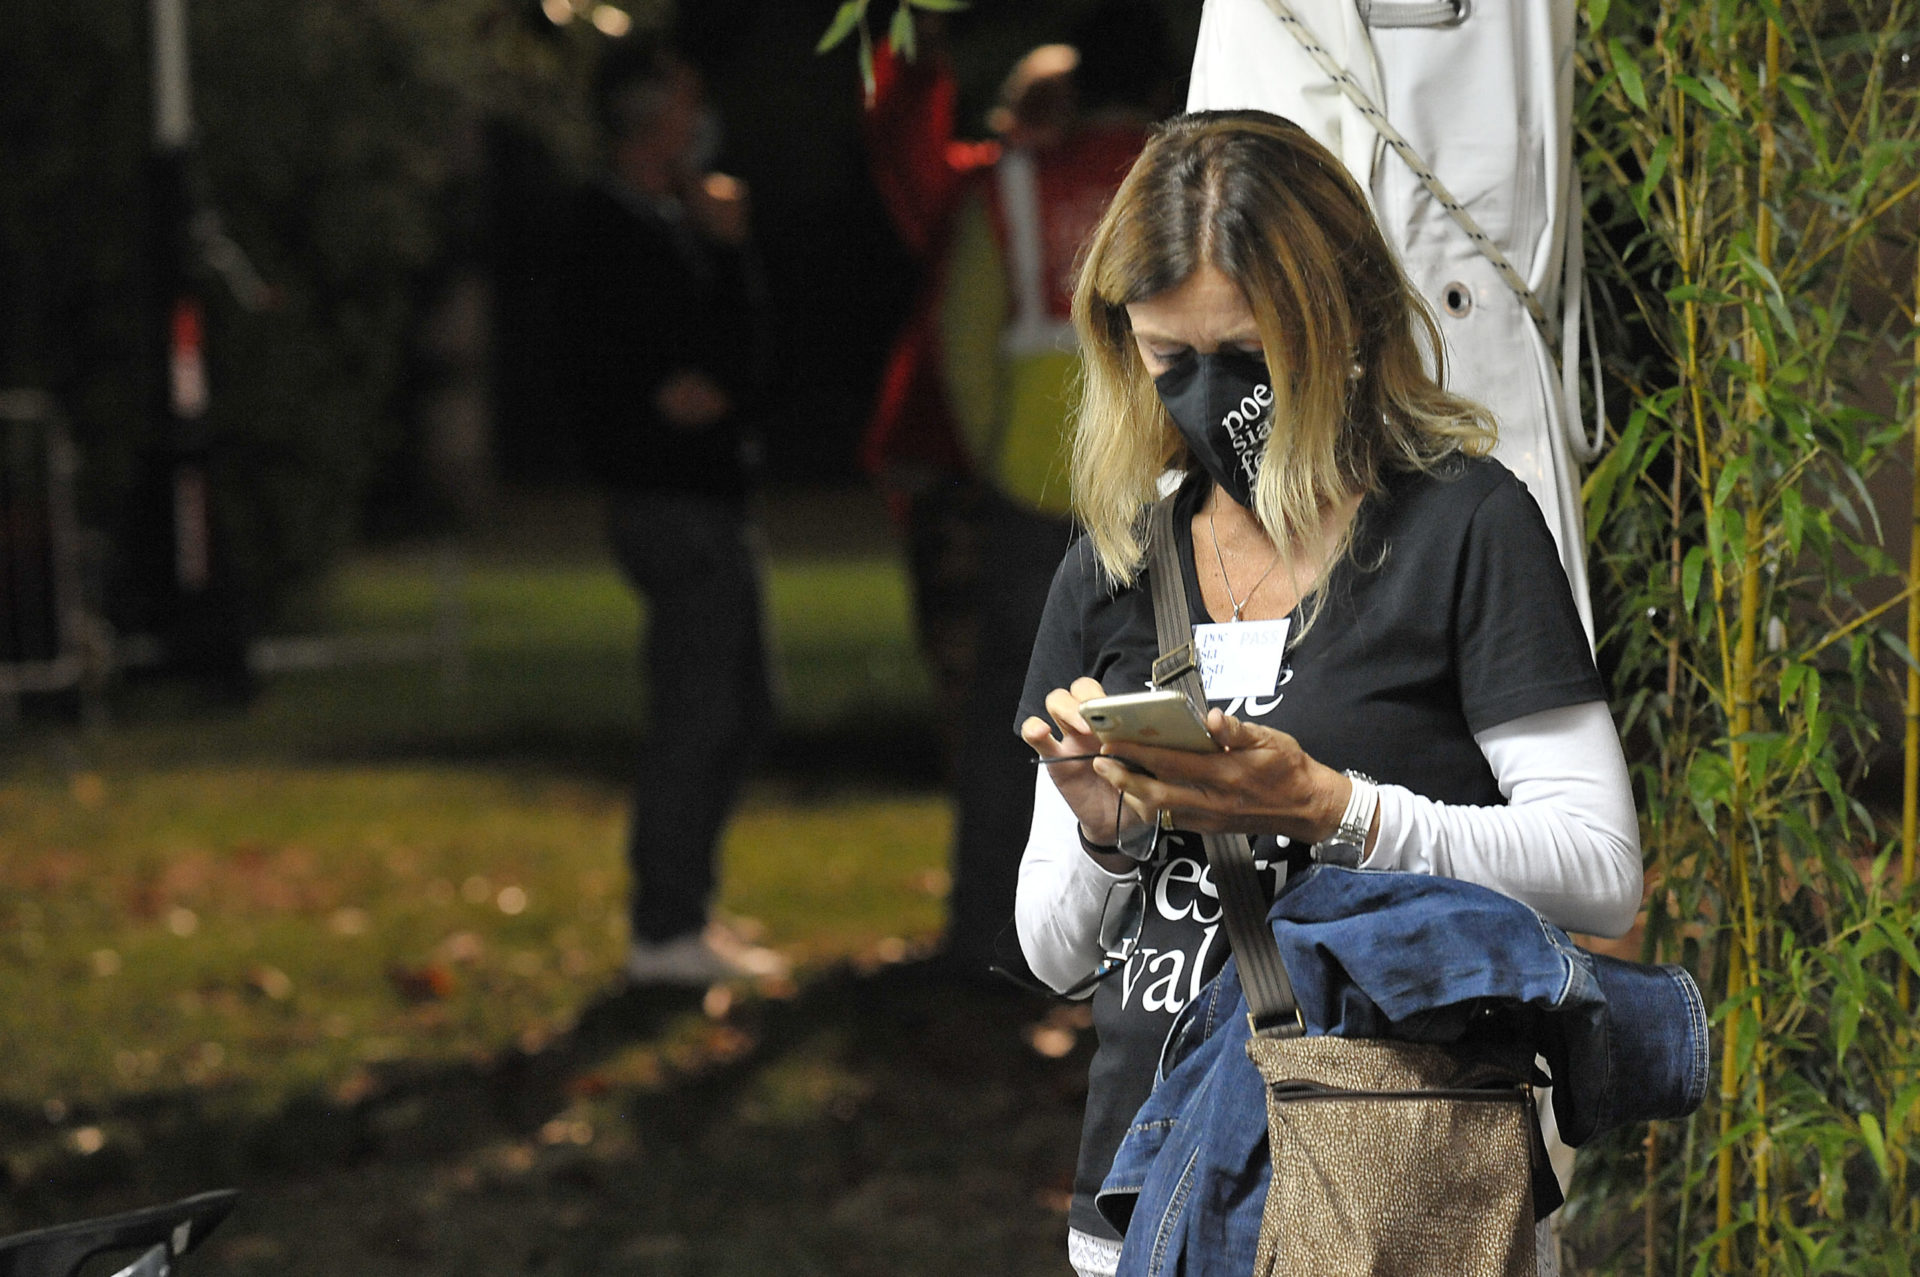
[[1739, 699], [1910, 797], [1910, 804], [1650, 1216], [1755, 924], [1697, 169], [1729, 1092]]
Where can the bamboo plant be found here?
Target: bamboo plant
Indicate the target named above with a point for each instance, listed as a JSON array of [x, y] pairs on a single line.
[[1752, 164]]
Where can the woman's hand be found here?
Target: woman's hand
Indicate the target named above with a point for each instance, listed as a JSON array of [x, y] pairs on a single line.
[[1261, 783], [1095, 802]]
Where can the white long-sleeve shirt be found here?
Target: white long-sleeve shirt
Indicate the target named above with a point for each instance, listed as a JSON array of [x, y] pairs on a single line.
[[1567, 841]]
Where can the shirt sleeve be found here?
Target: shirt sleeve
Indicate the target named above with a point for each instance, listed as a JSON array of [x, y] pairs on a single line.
[[1517, 636], [1567, 842], [1060, 647], [1062, 893]]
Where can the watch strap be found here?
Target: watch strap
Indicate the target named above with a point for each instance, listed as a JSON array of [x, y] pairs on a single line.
[[1347, 845]]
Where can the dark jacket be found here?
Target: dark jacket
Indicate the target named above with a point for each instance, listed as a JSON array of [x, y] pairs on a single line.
[[641, 296]]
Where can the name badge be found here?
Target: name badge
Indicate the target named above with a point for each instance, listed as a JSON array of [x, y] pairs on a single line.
[[1240, 659]]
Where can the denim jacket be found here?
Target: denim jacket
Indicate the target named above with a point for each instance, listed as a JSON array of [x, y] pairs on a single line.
[[1406, 956]]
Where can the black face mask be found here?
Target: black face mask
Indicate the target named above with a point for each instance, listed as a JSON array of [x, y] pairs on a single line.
[[1223, 404]]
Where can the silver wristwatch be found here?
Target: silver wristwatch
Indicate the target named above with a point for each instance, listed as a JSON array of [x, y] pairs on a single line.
[[1346, 846]]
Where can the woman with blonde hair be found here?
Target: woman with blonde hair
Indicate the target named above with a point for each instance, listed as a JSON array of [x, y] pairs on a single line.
[[1396, 673]]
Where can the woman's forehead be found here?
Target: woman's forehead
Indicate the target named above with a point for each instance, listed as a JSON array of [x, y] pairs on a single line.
[[1206, 303]]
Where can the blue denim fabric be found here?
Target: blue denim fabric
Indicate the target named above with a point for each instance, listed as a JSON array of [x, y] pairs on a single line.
[[1405, 956]]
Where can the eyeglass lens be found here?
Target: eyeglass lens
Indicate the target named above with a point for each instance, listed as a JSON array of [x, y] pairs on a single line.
[[1135, 835]]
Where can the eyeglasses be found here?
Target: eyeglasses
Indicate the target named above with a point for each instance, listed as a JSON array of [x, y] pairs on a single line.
[[1121, 918], [1135, 836]]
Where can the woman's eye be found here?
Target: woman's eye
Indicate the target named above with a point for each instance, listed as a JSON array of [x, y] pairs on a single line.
[[1169, 354]]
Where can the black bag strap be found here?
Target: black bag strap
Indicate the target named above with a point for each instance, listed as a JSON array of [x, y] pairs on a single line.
[[1272, 1008]]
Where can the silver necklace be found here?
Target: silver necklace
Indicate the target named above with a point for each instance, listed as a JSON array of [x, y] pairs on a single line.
[[1239, 605]]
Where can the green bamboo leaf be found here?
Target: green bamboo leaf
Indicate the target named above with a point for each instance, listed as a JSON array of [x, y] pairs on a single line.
[[1709, 93], [1597, 14], [1846, 1026], [1613, 468], [1793, 520], [1823, 771], [1690, 573], [1753, 269], [1876, 1143], [1730, 476], [900, 32], [1728, 534], [1859, 484], [1628, 72], [844, 21], [1899, 648], [1808, 1245], [939, 6], [1901, 943], [1657, 165], [1709, 785], [1902, 1106], [1729, 105], [1790, 680], [1795, 88], [866, 61]]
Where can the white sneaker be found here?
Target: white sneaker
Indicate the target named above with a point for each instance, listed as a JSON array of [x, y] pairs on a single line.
[[701, 958]]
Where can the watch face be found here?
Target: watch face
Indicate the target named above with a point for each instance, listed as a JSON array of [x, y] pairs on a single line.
[[1337, 851]]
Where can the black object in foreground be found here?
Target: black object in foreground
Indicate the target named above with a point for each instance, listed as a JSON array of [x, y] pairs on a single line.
[[160, 1233]]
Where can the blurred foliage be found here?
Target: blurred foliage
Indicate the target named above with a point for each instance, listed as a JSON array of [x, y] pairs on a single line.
[[853, 17], [359, 154], [340, 144], [1753, 168]]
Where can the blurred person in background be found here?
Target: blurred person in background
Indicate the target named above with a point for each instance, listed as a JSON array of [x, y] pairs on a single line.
[[1072, 119], [910, 447], [663, 338]]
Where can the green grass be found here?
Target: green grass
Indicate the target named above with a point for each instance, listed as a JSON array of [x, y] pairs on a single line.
[[255, 898], [270, 929], [352, 948]]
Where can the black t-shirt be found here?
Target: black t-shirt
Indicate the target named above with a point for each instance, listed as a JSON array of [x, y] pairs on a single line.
[[1450, 615]]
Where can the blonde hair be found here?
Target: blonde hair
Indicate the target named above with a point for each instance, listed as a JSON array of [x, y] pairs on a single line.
[[1257, 198]]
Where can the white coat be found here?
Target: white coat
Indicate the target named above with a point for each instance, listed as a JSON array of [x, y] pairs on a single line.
[[1483, 90]]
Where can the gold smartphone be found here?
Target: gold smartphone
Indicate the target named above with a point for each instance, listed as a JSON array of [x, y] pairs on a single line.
[[1163, 718]]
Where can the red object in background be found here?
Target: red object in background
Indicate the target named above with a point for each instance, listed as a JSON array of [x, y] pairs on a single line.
[[1075, 181], [918, 166], [186, 360], [187, 398], [921, 171]]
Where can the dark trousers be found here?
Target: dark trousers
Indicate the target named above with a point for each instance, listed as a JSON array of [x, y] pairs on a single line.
[[1020, 551], [693, 561]]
